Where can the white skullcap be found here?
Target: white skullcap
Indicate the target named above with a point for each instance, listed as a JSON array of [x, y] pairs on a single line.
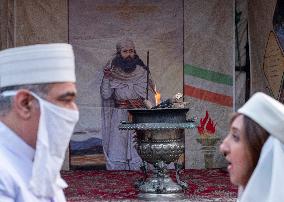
[[36, 64], [124, 43], [267, 112]]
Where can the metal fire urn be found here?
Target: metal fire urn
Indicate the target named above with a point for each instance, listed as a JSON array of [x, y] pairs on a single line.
[[160, 142]]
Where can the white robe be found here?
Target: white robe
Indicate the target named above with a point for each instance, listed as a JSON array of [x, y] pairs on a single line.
[[118, 144], [16, 161]]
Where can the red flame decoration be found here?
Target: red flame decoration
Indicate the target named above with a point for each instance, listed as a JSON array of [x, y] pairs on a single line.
[[206, 125]]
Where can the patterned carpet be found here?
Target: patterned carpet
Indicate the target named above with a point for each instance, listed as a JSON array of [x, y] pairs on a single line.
[[88, 186]]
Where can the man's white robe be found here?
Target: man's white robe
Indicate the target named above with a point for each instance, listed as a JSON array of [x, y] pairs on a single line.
[[16, 161]]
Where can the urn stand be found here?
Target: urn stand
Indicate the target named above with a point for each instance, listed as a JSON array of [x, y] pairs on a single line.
[[160, 141]]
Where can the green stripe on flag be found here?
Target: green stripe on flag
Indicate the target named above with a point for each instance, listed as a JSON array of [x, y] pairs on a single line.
[[208, 75]]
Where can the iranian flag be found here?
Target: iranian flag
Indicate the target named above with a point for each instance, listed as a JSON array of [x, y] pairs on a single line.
[[208, 85]]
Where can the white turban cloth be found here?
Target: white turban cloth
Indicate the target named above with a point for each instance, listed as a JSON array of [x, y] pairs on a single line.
[[124, 43], [36, 64], [266, 182]]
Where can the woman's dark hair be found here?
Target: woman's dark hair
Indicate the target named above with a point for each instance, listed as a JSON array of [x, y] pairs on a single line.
[[255, 136]]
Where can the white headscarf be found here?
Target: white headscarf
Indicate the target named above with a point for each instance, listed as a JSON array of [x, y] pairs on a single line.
[[267, 181]]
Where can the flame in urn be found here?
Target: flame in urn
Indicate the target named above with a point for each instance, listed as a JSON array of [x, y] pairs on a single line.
[[157, 96], [206, 126]]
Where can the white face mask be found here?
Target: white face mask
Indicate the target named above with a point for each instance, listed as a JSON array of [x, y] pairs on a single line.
[[56, 125]]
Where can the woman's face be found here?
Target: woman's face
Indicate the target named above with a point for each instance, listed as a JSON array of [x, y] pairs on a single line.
[[236, 151]]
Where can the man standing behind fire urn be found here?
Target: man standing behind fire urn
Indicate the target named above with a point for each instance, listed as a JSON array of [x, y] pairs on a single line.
[[123, 87]]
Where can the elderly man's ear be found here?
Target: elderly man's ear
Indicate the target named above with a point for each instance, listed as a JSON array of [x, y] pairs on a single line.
[[24, 104]]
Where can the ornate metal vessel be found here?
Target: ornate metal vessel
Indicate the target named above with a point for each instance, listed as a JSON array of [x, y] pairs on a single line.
[[160, 141]]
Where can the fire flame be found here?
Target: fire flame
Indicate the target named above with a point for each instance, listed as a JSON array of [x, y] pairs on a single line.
[[157, 97], [206, 126]]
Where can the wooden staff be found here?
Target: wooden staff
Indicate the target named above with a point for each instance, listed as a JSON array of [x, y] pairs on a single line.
[[148, 72]]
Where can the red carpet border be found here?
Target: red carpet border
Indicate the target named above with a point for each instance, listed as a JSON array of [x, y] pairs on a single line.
[[88, 186]]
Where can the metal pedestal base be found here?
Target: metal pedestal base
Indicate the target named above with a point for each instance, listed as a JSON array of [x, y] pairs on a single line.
[[160, 185], [161, 197], [159, 188]]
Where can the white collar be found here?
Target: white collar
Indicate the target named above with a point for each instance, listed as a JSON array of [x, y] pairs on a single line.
[[14, 143]]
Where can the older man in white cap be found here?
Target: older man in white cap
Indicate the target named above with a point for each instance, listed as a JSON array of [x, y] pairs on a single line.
[[123, 87], [38, 114]]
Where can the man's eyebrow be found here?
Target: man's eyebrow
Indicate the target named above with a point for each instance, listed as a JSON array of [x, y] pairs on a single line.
[[67, 94]]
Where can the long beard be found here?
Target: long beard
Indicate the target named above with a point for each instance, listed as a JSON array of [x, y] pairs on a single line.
[[127, 64]]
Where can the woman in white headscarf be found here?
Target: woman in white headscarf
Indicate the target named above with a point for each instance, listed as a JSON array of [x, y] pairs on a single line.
[[254, 149]]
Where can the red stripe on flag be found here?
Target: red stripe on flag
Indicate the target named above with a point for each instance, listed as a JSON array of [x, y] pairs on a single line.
[[208, 96]]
